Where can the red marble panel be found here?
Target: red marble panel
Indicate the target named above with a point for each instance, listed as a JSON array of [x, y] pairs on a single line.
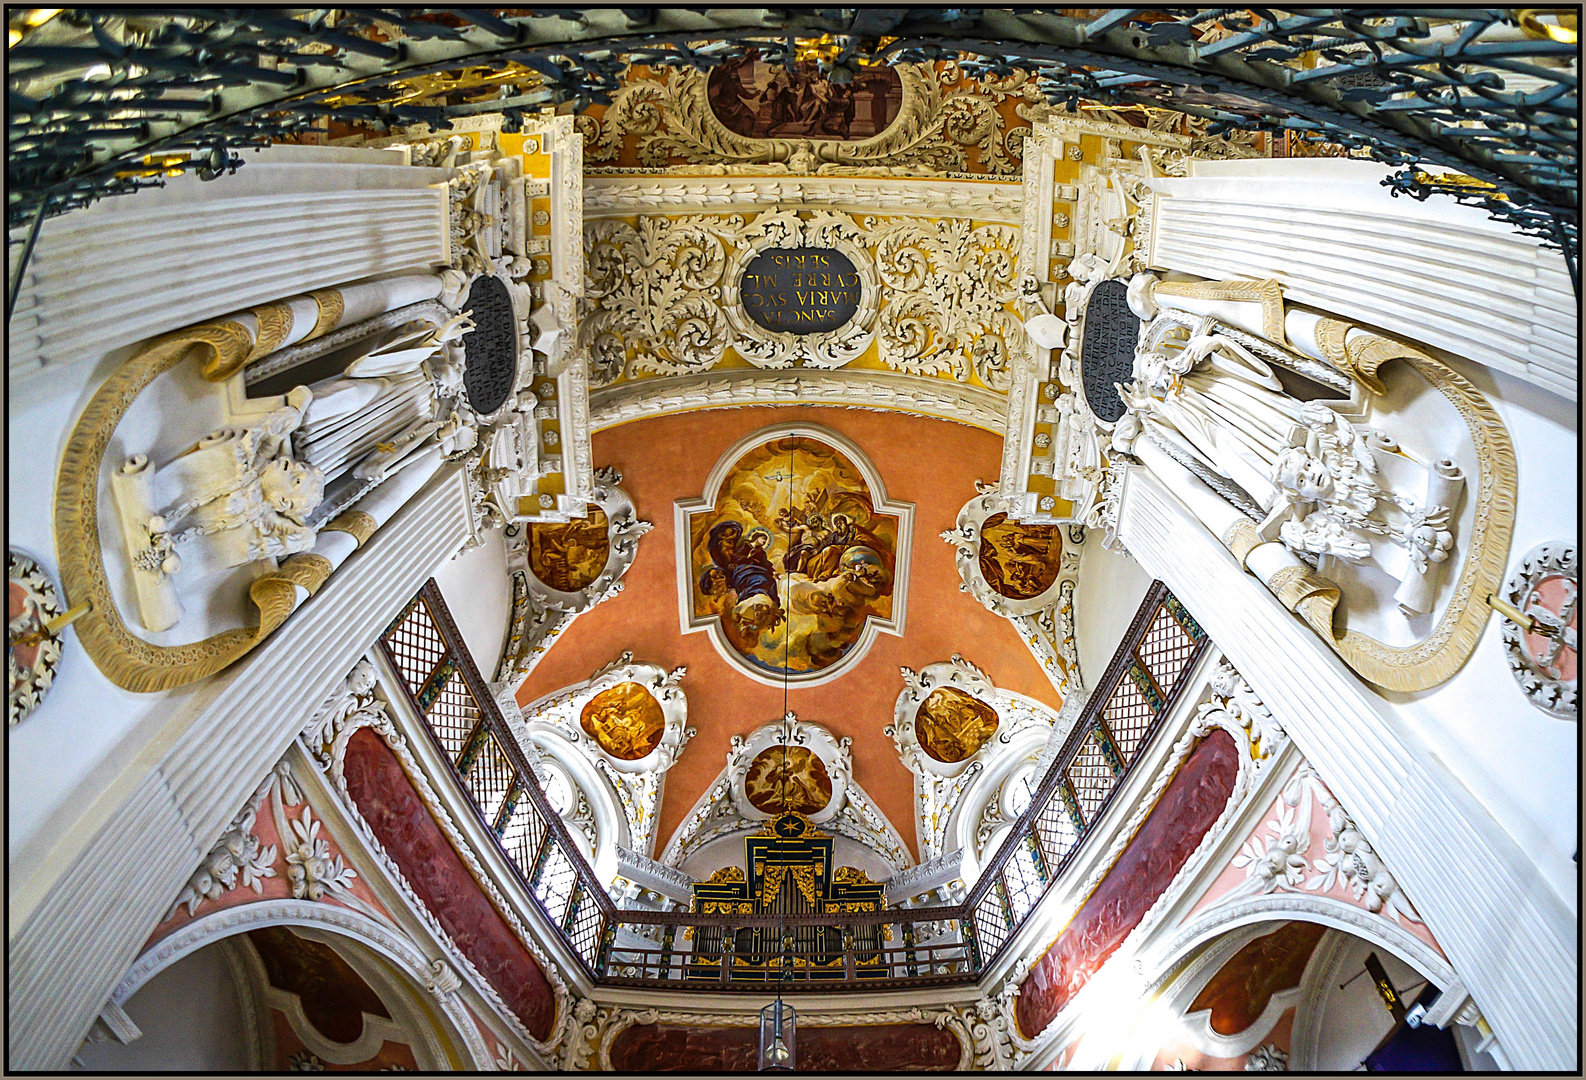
[[881, 1048], [404, 827], [1171, 833]]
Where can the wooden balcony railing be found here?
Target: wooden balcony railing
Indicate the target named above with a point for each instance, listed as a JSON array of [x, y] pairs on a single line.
[[892, 949]]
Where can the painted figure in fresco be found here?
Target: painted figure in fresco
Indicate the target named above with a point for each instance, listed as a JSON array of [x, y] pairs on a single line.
[[761, 100], [567, 557], [952, 725], [747, 573], [1019, 561], [625, 720], [793, 558]]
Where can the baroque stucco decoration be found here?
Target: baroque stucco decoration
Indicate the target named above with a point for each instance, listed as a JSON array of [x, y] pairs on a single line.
[[758, 771], [662, 295], [1546, 586], [1036, 571], [614, 737], [32, 652], [664, 115], [542, 610], [363, 702], [942, 711]]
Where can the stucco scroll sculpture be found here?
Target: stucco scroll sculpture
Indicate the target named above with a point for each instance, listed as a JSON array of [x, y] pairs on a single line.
[[1270, 423]]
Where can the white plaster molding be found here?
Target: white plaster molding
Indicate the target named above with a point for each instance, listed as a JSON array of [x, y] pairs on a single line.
[[724, 809], [389, 943], [879, 391], [78, 923], [1405, 801], [620, 196], [627, 792], [540, 613], [685, 509]]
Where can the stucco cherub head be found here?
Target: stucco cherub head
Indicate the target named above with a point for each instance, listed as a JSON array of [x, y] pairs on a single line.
[[292, 488]]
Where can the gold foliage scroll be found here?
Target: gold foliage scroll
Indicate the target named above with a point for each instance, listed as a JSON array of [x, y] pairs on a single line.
[[126, 659]]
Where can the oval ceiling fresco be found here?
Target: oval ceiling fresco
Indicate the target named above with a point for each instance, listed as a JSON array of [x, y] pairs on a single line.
[[1019, 561], [952, 726], [784, 778], [625, 720], [567, 557], [797, 559]]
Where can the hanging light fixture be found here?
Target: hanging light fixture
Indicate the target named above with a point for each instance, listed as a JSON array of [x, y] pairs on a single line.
[[778, 1036], [778, 1020]]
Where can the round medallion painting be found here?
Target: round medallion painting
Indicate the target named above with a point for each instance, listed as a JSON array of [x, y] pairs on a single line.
[[1019, 561], [791, 559], [788, 778], [951, 726], [625, 720], [568, 557]]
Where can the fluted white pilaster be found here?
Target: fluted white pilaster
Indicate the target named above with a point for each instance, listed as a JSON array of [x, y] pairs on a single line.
[[1337, 240], [1507, 933], [84, 933], [138, 265]]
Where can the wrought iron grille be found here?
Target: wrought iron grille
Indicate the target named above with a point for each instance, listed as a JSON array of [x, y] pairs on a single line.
[[890, 949], [105, 101], [1159, 646]]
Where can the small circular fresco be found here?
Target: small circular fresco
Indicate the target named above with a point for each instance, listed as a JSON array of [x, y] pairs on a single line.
[[626, 721], [951, 726], [569, 556], [788, 778], [1019, 561]]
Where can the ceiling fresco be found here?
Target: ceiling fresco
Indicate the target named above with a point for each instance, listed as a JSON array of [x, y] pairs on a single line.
[[625, 720], [567, 557], [793, 560], [929, 465]]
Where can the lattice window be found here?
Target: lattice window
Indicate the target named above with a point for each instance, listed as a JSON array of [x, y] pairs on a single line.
[[490, 778], [1166, 649], [1129, 716], [415, 645], [585, 929], [991, 922], [1056, 830], [521, 838], [554, 886], [1024, 879], [454, 716], [1092, 778]]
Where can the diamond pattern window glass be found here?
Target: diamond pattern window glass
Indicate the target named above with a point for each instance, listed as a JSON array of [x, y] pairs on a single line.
[[415, 646], [490, 778], [1055, 829], [1166, 649], [1129, 716], [554, 887], [1023, 878], [1092, 778], [991, 922], [585, 929], [453, 717], [522, 836]]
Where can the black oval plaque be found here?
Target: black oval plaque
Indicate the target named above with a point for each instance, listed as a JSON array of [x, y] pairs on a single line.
[[490, 349], [1106, 355], [800, 290]]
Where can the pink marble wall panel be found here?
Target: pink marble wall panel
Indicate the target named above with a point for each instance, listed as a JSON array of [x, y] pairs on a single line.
[[1170, 834], [1233, 877], [404, 827]]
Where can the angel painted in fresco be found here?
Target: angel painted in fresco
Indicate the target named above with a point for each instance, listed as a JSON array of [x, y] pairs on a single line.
[[794, 558]]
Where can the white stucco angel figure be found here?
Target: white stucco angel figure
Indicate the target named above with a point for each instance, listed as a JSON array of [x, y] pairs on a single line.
[[238, 495]]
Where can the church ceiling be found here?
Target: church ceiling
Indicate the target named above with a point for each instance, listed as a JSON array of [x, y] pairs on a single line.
[[923, 468]]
